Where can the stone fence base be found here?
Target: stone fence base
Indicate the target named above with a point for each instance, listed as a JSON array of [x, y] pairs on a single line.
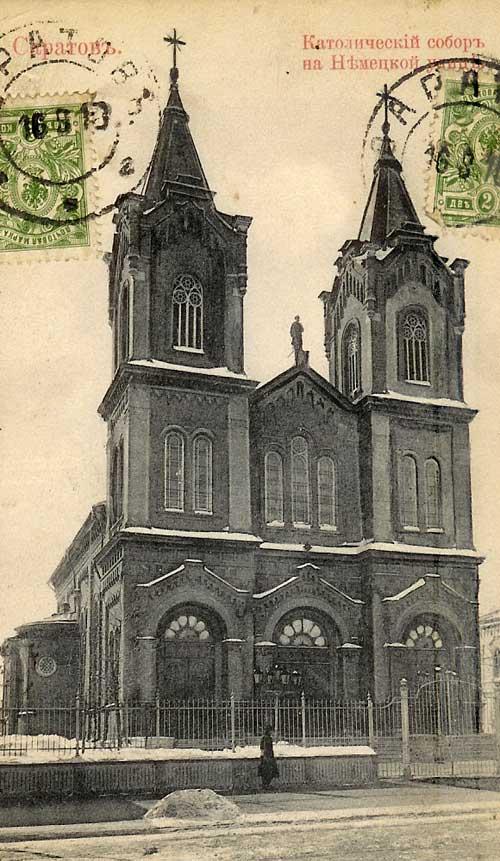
[[158, 777]]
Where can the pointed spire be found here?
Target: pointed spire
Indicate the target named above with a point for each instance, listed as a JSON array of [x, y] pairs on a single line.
[[175, 159], [389, 205]]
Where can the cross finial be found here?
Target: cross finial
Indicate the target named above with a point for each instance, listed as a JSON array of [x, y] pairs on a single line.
[[385, 97], [176, 43]]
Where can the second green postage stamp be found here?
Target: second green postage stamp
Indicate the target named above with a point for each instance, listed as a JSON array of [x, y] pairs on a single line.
[[466, 157]]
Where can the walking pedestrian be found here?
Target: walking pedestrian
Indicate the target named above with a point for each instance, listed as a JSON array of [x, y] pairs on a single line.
[[268, 768]]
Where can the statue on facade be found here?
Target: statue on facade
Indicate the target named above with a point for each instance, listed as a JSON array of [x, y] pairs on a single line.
[[296, 332]]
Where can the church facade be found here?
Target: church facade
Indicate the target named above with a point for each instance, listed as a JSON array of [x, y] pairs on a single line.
[[304, 534]]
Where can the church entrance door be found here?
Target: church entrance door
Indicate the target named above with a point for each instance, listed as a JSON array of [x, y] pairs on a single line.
[[186, 670], [189, 655]]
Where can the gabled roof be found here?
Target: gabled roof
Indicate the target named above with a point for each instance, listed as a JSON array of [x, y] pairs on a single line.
[[281, 380], [389, 205], [175, 159]]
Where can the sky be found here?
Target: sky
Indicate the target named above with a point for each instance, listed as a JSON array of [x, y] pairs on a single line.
[[278, 143]]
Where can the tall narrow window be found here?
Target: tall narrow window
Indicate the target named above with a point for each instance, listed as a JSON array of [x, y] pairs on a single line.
[[433, 508], [352, 360], [187, 313], [117, 482], [273, 468], [415, 347], [124, 325], [326, 493], [202, 474], [174, 471], [409, 499], [300, 482]]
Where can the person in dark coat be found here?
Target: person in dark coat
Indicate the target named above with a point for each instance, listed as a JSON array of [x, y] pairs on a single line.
[[268, 768]]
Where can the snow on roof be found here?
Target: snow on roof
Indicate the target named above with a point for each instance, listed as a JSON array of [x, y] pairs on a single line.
[[160, 578], [164, 577], [416, 585], [265, 643], [415, 399], [339, 592], [187, 533], [170, 366], [395, 646], [378, 546], [275, 588]]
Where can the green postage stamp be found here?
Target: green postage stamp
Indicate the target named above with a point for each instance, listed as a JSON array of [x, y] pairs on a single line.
[[43, 185], [467, 156]]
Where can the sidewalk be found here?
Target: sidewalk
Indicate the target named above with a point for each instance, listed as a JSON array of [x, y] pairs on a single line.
[[416, 800]]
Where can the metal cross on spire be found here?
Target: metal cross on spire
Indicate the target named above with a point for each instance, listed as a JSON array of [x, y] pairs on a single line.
[[385, 98], [176, 43]]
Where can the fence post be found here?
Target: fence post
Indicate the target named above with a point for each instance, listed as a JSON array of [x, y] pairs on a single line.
[[405, 729], [157, 714], [496, 718], [77, 724], [276, 716], [371, 727], [233, 723], [303, 715]]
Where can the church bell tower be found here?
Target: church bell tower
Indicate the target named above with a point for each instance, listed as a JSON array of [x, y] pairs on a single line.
[[177, 281]]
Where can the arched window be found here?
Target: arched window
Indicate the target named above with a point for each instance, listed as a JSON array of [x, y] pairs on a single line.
[[300, 482], [174, 471], [352, 360], [326, 493], [415, 347], [433, 507], [187, 626], [124, 324], [273, 487], [117, 482], [187, 313], [202, 475], [408, 492], [302, 632], [424, 636]]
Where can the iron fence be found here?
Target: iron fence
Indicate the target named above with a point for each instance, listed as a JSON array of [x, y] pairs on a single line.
[[445, 727]]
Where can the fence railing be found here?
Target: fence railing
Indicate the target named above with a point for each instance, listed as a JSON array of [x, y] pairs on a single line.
[[436, 709]]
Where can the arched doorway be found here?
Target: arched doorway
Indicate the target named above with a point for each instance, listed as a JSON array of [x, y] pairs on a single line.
[[430, 649], [189, 656], [308, 644]]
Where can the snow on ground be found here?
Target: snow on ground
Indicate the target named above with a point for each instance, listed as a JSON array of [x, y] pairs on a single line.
[[29, 749]]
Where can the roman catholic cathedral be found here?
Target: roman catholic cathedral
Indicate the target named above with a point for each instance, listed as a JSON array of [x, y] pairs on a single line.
[[302, 534]]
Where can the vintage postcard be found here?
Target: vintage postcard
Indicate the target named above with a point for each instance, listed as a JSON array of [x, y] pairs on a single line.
[[250, 386]]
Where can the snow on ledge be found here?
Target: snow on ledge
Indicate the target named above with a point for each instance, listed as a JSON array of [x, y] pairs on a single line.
[[191, 369], [187, 533], [378, 546], [415, 399]]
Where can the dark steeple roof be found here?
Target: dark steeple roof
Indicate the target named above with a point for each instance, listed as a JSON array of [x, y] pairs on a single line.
[[389, 206], [175, 159]]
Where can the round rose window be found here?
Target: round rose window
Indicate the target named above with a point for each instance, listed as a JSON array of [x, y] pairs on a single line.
[[46, 666]]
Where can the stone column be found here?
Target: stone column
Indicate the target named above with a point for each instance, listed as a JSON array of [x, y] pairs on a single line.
[[351, 654], [234, 667], [467, 663], [147, 668], [396, 653]]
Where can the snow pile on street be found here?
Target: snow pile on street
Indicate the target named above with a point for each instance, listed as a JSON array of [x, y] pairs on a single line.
[[194, 804]]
